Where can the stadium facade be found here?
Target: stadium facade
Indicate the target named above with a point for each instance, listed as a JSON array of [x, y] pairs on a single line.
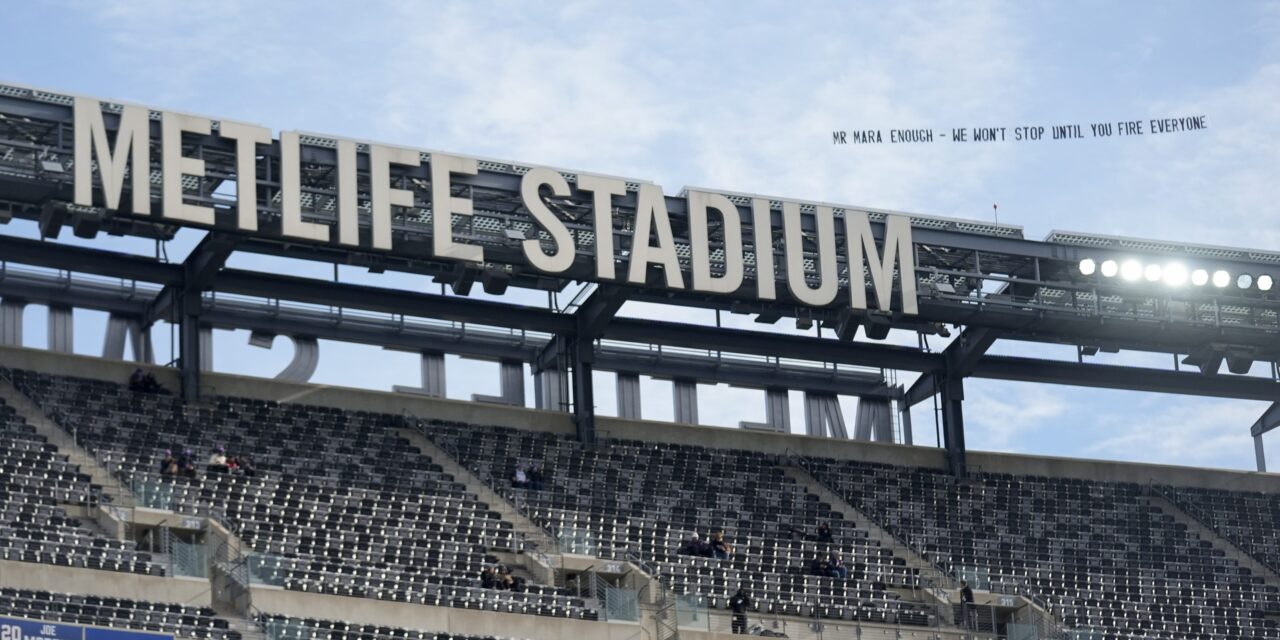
[[372, 515]]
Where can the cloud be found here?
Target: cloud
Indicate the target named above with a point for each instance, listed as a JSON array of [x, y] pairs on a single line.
[[1002, 415], [1187, 431]]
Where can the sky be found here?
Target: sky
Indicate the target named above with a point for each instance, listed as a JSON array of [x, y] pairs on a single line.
[[743, 96]]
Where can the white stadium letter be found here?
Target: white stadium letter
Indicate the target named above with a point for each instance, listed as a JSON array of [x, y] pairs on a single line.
[[762, 231], [826, 241], [897, 247], [444, 205], [700, 246], [173, 165], [651, 215], [291, 223], [604, 190], [559, 260], [247, 138], [348, 205], [383, 196], [133, 141]]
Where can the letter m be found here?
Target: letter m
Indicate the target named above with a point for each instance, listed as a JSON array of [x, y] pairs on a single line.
[[897, 248], [132, 143]]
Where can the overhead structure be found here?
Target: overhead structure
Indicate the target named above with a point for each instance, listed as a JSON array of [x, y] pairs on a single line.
[[71, 162]]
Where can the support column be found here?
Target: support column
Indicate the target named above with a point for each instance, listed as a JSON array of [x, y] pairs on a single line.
[[1259, 453], [629, 396], [189, 346], [11, 322], [952, 398], [306, 357], [61, 333], [685, 395], [121, 329], [584, 395], [904, 414]]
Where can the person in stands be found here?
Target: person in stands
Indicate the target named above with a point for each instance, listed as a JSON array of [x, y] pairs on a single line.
[[694, 546], [535, 477], [487, 580], [819, 566], [186, 464], [218, 461], [966, 604], [246, 466], [720, 548], [739, 604], [824, 533], [169, 465], [135, 380], [837, 567], [521, 478]]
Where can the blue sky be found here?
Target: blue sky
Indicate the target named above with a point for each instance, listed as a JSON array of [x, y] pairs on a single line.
[[743, 96]]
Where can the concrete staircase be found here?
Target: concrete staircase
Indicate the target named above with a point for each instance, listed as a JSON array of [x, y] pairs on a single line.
[[119, 494], [533, 534], [929, 573], [1205, 533]]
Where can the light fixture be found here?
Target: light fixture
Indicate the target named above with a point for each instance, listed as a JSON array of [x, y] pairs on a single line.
[[1110, 268], [1221, 278], [1131, 270], [1153, 272], [1244, 281], [1088, 266], [1265, 282], [1175, 275], [1199, 277]]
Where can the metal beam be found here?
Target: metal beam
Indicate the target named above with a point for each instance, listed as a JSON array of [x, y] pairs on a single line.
[[771, 344], [198, 271], [1104, 376], [961, 356], [113, 264], [1269, 420]]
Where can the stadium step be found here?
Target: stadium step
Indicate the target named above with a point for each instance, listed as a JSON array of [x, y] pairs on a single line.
[[247, 630], [929, 573], [111, 486], [532, 533], [1219, 542]]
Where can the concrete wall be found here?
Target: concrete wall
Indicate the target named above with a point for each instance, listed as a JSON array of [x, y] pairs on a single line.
[[118, 584], [651, 431]]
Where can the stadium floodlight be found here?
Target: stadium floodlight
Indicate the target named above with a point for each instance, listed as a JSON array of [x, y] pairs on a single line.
[[1110, 268], [1265, 282], [1221, 279], [1131, 270], [1199, 277], [1153, 272], [1175, 275], [1088, 266], [1244, 281]]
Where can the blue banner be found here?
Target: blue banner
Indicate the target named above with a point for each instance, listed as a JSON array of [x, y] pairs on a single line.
[[20, 629]]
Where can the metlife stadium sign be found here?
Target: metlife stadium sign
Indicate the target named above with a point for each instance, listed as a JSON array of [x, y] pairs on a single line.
[[813, 243], [23, 629]]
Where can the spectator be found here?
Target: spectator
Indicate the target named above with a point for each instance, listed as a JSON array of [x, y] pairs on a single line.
[[218, 461], [838, 568], [487, 580], [694, 546], [246, 466], [820, 566], [169, 465], [824, 533], [135, 380], [521, 478], [966, 604], [186, 464], [505, 581], [720, 548], [535, 477], [739, 603]]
